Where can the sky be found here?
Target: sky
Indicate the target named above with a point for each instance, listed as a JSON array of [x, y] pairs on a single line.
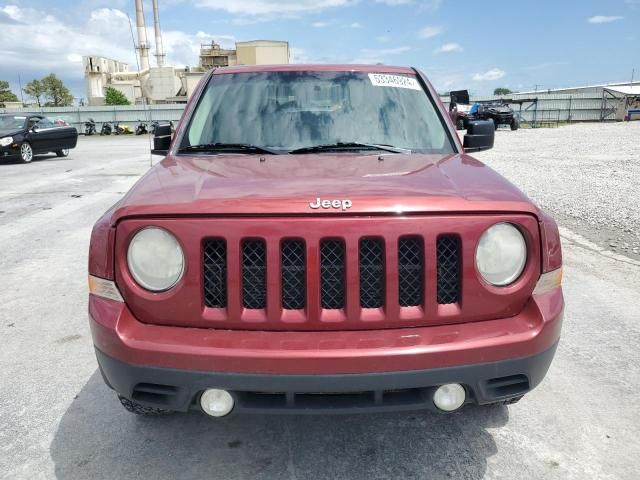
[[458, 44]]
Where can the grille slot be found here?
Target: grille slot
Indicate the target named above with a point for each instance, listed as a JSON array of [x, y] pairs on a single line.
[[410, 271], [293, 271], [254, 271], [215, 273], [448, 256], [332, 282], [371, 273]]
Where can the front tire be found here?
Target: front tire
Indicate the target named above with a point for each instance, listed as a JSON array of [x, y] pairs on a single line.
[[26, 153], [495, 123], [62, 153], [515, 124], [139, 409]]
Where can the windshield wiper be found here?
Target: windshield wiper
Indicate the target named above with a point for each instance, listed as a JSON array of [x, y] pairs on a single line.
[[351, 146], [229, 147]]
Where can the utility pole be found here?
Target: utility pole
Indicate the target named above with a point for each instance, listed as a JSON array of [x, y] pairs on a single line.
[[21, 93]]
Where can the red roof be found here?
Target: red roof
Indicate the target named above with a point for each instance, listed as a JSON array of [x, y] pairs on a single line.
[[315, 68]]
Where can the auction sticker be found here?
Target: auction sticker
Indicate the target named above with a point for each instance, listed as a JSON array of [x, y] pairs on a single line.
[[397, 81]]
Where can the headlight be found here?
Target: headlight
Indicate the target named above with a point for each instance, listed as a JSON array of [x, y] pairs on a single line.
[[155, 259], [6, 141], [501, 254]]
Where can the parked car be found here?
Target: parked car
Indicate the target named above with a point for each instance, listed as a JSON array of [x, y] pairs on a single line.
[[459, 107], [24, 136], [497, 111], [318, 239]]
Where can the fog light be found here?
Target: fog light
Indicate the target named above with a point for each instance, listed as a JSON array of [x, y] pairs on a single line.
[[449, 397], [216, 403]]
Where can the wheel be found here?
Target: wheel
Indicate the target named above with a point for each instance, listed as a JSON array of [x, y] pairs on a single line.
[[138, 409], [495, 123], [26, 153], [514, 123], [459, 123], [62, 153]]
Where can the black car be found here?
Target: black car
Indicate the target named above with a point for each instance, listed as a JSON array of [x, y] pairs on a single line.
[[498, 111], [24, 136]]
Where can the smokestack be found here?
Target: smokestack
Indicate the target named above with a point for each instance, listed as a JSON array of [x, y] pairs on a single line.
[[143, 46], [156, 23]]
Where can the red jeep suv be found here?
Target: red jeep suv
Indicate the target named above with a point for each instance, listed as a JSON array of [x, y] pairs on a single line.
[[318, 240]]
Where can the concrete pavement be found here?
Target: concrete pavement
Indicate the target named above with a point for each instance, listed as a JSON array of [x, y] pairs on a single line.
[[58, 420]]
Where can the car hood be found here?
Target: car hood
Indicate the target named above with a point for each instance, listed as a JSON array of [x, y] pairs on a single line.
[[234, 184], [8, 132]]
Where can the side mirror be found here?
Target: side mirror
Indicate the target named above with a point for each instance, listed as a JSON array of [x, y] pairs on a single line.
[[480, 136], [162, 139]]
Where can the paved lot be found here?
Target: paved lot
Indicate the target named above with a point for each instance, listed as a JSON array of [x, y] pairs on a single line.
[[57, 419], [587, 176]]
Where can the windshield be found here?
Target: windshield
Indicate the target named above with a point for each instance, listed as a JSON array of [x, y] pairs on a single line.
[[10, 122], [292, 110]]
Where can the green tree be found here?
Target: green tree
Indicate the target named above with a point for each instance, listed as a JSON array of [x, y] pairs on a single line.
[[502, 91], [56, 92], [6, 95], [115, 97], [35, 89]]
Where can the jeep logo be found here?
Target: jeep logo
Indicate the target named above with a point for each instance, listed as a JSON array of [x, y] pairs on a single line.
[[341, 204]]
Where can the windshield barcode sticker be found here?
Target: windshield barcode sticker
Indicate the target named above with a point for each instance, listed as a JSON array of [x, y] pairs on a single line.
[[398, 81]]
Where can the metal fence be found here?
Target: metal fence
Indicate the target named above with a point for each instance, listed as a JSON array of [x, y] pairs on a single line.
[[545, 109], [129, 115]]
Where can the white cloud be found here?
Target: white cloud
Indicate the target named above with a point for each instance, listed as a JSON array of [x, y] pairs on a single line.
[[545, 65], [299, 55], [394, 3], [604, 19], [386, 51], [493, 74], [356, 25], [319, 24], [256, 8], [430, 31], [449, 48], [428, 5], [57, 45], [373, 56]]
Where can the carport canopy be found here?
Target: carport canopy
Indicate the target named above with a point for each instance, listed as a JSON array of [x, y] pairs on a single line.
[[624, 90]]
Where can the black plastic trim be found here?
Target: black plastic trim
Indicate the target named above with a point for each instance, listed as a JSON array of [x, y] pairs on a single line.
[[406, 390]]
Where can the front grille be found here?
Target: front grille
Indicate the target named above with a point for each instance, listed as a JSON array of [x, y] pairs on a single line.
[[292, 274], [448, 256], [331, 270], [332, 264], [371, 273], [215, 273], [254, 274], [410, 271]]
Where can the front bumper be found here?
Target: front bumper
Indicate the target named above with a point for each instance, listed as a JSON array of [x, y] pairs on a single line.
[[179, 390], [9, 151], [277, 371]]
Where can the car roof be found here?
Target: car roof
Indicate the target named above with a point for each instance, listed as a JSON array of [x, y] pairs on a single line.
[[313, 68]]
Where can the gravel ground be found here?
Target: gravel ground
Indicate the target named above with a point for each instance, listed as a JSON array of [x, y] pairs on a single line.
[[59, 420], [586, 175]]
